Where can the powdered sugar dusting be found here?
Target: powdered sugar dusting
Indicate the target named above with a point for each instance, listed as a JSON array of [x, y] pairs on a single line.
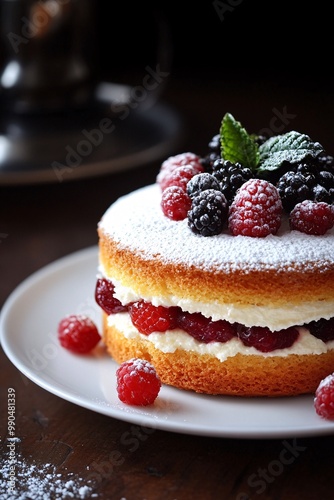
[[23, 480], [140, 365], [136, 222], [327, 381]]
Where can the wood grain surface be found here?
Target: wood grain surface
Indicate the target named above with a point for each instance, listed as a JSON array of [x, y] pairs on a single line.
[[119, 460]]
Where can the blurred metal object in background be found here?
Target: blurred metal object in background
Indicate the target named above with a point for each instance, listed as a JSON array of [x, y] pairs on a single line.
[[47, 51], [58, 120]]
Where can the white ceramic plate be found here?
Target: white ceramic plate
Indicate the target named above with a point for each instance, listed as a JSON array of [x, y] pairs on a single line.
[[28, 324]]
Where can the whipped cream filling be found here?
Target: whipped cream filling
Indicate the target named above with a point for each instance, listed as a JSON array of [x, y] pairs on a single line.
[[274, 318], [171, 340]]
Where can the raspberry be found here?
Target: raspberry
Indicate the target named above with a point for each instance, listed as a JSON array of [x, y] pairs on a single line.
[[312, 217], [204, 329], [208, 213], [180, 176], [137, 382], [324, 398], [256, 209], [265, 340], [104, 297], [175, 203], [148, 318], [322, 329], [78, 333], [176, 161]]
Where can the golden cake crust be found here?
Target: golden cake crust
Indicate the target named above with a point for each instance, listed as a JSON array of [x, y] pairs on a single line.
[[241, 375], [161, 259], [260, 287]]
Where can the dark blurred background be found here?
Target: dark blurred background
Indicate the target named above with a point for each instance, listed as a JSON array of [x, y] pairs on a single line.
[[228, 38], [255, 55], [268, 63]]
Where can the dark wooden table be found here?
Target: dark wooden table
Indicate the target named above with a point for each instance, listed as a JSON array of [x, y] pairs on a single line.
[[41, 223]]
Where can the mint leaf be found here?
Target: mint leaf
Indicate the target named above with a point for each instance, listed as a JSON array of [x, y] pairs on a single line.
[[292, 147], [236, 144]]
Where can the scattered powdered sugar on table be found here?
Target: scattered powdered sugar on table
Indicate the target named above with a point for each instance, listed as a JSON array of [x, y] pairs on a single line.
[[20, 480]]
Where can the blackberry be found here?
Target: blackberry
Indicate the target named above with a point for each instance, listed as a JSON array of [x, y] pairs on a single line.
[[324, 187], [208, 213], [307, 181], [274, 176], [323, 170], [316, 167], [231, 176], [321, 193], [259, 139], [326, 162], [295, 187], [214, 144], [213, 153], [208, 161], [201, 182]]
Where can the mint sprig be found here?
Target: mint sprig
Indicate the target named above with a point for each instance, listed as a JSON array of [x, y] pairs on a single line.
[[292, 147], [239, 146], [236, 144]]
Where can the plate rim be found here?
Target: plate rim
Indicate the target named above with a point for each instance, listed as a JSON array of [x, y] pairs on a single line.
[[124, 413]]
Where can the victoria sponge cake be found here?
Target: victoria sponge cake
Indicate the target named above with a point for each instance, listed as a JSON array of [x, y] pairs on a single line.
[[221, 273]]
